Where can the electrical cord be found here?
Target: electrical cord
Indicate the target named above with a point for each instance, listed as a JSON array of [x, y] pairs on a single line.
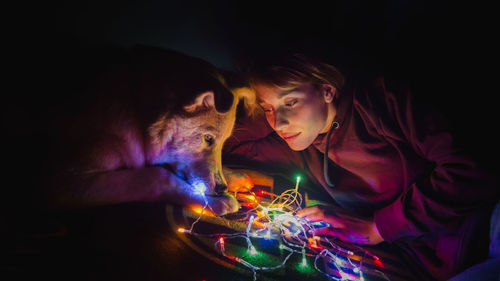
[[334, 126]]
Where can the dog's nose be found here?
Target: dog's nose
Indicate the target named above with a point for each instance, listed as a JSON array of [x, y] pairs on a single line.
[[220, 189]]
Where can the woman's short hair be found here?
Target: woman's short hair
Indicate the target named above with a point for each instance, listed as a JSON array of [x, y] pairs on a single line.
[[292, 70]]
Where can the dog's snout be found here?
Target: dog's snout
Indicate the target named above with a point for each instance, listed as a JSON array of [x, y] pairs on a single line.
[[220, 189]]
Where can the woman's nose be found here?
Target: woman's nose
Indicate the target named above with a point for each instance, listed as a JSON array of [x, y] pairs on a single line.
[[280, 121]]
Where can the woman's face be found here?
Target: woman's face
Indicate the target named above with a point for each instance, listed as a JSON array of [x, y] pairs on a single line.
[[298, 115]]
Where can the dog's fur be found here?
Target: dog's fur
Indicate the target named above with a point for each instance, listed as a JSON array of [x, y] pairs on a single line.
[[138, 125]]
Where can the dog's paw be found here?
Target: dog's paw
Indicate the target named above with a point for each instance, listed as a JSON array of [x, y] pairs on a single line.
[[223, 204]]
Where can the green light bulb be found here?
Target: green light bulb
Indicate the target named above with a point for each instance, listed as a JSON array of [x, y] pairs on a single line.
[[253, 251]]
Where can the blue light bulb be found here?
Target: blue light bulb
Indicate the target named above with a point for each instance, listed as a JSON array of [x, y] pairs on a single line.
[[200, 187]]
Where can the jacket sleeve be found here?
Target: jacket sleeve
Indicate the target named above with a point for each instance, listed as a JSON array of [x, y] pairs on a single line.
[[453, 186]]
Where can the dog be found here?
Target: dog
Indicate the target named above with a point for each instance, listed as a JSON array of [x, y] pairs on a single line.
[[138, 124]]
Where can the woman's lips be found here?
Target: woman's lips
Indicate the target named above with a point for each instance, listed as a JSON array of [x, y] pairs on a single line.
[[290, 137]]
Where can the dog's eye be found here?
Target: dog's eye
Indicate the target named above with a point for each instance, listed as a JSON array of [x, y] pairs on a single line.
[[209, 139]]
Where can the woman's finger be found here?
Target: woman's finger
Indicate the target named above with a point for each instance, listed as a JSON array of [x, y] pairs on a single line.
[[329, 231], [308, 211], [312, 217], [332, 220]]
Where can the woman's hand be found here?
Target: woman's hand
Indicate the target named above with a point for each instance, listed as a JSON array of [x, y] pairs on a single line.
[[237, 180], [244, 180], [346, 227]]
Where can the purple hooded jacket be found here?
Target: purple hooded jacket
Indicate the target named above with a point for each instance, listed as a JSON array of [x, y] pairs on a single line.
[[394, 163]]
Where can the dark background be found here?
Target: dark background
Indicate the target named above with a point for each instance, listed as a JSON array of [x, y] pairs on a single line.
[[443, 48]]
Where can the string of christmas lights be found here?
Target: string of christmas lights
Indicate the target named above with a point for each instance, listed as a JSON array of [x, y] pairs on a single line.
[[276, 220]]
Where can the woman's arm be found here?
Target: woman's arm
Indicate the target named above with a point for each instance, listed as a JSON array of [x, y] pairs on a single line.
[[453, 187]]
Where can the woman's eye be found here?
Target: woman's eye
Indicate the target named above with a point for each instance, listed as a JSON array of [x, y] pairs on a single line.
[[209, 139], [291, 103]]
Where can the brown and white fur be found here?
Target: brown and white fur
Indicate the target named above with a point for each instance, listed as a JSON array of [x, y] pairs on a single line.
[[149, 126]]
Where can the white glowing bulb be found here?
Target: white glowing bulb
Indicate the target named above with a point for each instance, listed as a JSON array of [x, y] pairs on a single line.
[[200, 187], [253, 251], [268, 234], [355, 270], [304, 261]]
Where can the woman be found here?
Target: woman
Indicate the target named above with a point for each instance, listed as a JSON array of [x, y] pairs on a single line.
[[391, 171]]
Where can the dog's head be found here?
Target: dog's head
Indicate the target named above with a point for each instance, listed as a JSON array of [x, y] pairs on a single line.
[[192, 119], [194, 140]]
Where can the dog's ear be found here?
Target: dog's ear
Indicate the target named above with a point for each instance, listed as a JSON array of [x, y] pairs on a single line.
[[248, 96], [237, 83], [202, 101]]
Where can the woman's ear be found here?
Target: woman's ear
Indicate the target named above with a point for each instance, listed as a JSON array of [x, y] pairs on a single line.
[[328, 92]]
